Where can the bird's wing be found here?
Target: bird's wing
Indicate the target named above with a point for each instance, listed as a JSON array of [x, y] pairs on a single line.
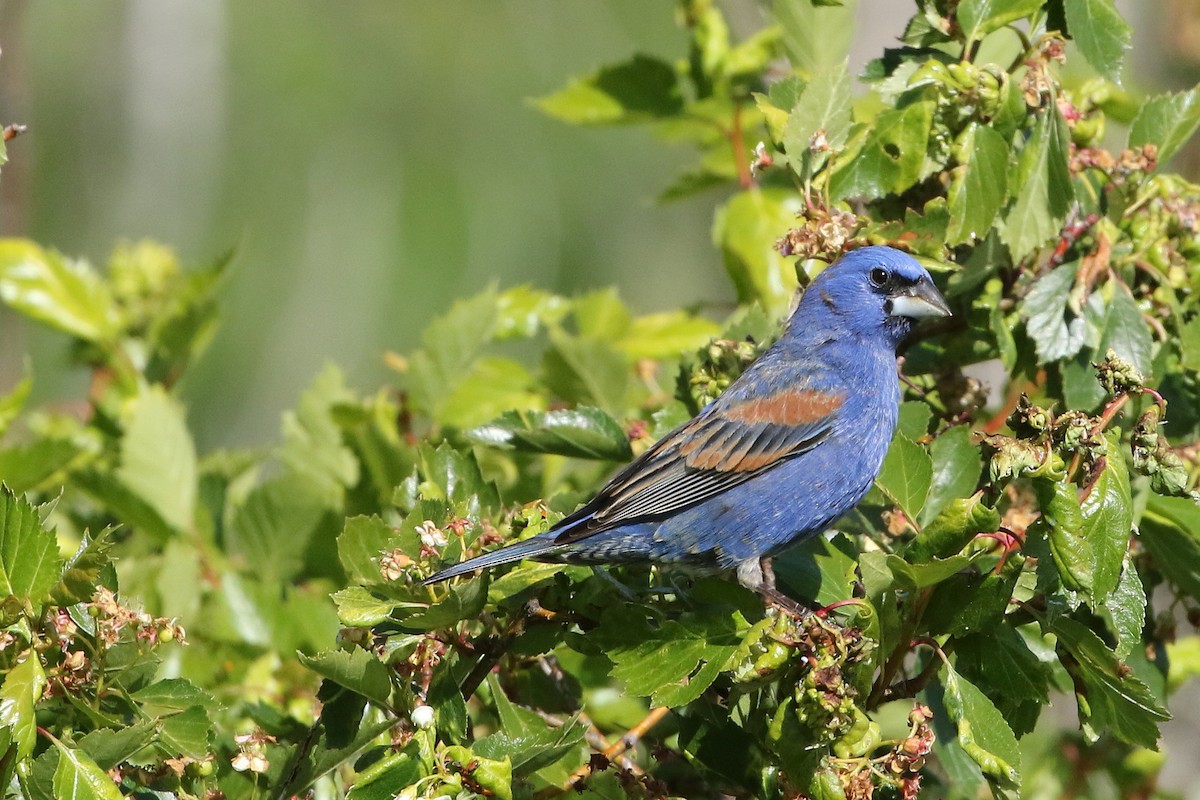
[[725, 446]]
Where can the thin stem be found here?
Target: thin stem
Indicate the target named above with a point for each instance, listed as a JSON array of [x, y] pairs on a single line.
[[611, 753], [737, 142]]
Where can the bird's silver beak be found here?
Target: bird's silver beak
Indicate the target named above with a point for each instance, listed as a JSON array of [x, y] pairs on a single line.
[[922, 299]]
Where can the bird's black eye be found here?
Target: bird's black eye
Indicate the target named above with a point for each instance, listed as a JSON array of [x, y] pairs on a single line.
[[879, 276]]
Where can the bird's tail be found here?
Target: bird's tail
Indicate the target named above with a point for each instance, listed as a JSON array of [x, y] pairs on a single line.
[[530, 548]]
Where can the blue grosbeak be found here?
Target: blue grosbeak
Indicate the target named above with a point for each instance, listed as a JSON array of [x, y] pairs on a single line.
[[792, 445]]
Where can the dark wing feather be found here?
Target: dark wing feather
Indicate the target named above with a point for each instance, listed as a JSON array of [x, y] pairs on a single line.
[[724, 447]]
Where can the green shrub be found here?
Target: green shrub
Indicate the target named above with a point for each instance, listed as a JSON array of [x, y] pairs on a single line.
[[1006, 556]]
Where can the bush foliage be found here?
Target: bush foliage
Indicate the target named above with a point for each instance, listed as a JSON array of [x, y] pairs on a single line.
[[1043, 546]]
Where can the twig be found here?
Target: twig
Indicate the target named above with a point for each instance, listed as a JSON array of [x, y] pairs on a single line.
[[612, 753]]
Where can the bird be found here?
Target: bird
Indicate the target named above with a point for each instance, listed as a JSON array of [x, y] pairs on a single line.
[[788, 448]]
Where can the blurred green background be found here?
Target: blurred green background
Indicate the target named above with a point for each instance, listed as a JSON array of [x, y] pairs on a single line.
[[368, 162]]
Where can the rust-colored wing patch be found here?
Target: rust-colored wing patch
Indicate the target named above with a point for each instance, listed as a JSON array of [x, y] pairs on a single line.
[[753, 435], [793, 407]]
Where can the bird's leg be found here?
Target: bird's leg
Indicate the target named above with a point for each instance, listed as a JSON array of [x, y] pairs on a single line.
[[757, 575]]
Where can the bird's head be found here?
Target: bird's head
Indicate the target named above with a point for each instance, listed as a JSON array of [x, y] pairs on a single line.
[[871, 291]]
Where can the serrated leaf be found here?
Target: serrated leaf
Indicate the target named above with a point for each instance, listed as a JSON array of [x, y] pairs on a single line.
[[892, 156], [956, 468], [20, 692], [29, 559], [1168, 121], [172, 695], [389, 776], [81, 576], [666, 335], [187, 733], [1101, 34], [978, 187], [982, 732], [1041, 184], [978, 18], [927, 573], [312, 441], [77, 777], [1108, 520], [462, 601], [1125, 610], [823, 109], [356, 670], [581, 432], [64, 294], [672, 662], [109, 747], [641, 89], [275, 524], [746, 229], [586, 371], [952, 529], [906, 475], [1126, 332], [358, 608], [360, 545], [1062, 520], [12, 403], [1045, 312], [1112, 699], [158, 458], [449, 347], [1168, 530]]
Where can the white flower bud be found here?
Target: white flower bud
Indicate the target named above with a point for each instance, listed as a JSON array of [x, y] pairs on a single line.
[[422, 717]]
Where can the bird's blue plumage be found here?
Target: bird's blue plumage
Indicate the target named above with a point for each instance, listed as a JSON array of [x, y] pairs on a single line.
[[792, 445]]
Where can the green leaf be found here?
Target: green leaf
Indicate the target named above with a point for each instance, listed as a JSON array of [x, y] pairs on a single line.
[[1041, 184], [1166, 120], [978, 18], [522, 311], [158, 458], [1169, 531], [454, 476], [358, 608], [109, 747], [1101, 33], [892, 155], [275, 524], [822, 570], [673, 662], [641, 89], [312, 441], [20, 692], [982, 732], [585, 371], [64, 294], [1125, 609], [581, 432], [357, 670], [746, 229], [361, 543], [952, 529], [449, 347], [927, 573], [978, 186], [906, 475], [25, 467], [666, 335], [1062, 521], [462, 601], [187, 733], [1045, 308], [823, 108], [81, 576], [1108, 520], [956, 467], [29, 559], [172, 695], [12, 403], [1125, 331], [1109, 697], [1006, 666], [389, 776], [78, 778], [817, 35]]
